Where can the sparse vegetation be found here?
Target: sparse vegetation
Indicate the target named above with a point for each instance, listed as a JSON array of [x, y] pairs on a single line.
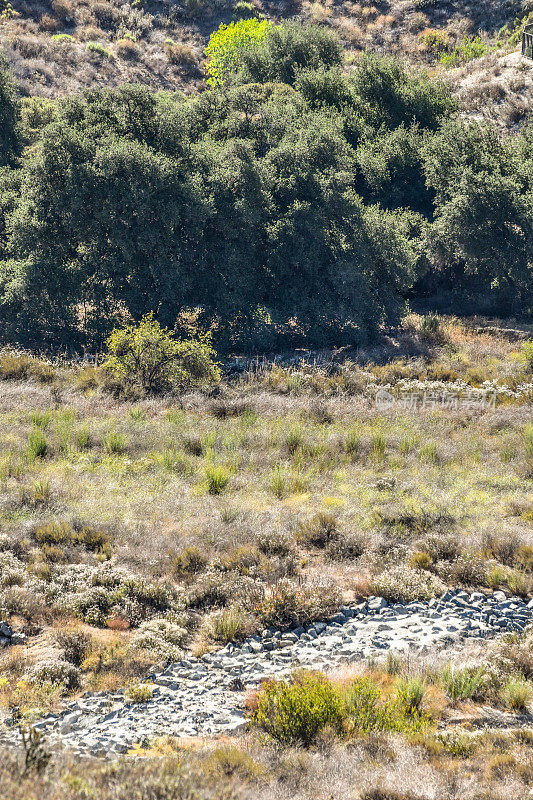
[[157, 503]]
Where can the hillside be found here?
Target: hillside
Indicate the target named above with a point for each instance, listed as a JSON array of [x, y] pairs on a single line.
[[60, 47], [369, 521]]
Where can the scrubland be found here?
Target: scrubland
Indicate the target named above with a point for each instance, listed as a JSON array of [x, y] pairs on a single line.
[[61, 47], [135, 531]]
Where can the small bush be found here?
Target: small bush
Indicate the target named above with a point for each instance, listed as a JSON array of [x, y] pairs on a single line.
[[114, 443], [288, 604], [147, 359], [431, 327], [346, 546], [457, 743], [463, 684], [87, 379], [40, 494], [527, 355], [519, 582], [378, 447], [139, 692], [241, 559], [294, 712], [276, 543], [163, 638], [244, 10], [41, 419], [82, 438], [179, 52], [468, 569], [14, 366], [319, 530], [293, 441], [227, 625], [516, 693], [190, 562], [410, 693], [57, 672], [99, 49], [128, 49], [352, 444], [420, 560], [217, 478], [76, 645], [37, 444], [404, 584], [278, 481], [193, 445]]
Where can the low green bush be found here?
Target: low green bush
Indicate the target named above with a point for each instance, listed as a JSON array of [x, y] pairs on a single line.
[[217, 478], [147, 359], [37, 444], [294, 712], [463, 684]]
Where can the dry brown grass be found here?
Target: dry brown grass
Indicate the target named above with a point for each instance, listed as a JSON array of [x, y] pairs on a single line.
[[392, 27], [322, 486]]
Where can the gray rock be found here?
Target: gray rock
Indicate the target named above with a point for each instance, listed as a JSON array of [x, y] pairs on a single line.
[[6, 630]]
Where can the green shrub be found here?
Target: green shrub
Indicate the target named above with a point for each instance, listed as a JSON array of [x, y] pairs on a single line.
[[217, 478], [429, 453], [410, 693], [40, 493], [466, 51], [431, 327], [41, 419], [293, 441], [352, 443], [528, 440], [37, 444], [244, 10], [294, 712], [463, 684], [189, 562], [365, 711], [241, 559], [516, 693], [457, 743], [278, 481], [378, 447], [527, 355], [173, 460], [114, 443], [139, 692], [97, 47], [138, 414], [82, 438], [227, 625], [225, 45], [297, 710], [148, 359]]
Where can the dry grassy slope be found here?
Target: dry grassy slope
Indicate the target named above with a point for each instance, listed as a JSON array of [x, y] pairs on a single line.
[[47, 67], [497, 87]]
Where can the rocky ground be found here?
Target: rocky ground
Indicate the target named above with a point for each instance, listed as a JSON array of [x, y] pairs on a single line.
[[205, 696]]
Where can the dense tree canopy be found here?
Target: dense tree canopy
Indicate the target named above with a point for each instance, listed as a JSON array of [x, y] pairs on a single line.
[[295, 203]]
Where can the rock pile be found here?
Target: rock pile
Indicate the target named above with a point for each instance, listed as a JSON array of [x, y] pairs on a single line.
[[202, 697], [7, 637]]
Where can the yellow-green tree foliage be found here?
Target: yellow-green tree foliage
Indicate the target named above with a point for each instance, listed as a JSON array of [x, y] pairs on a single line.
[[227, 42]]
